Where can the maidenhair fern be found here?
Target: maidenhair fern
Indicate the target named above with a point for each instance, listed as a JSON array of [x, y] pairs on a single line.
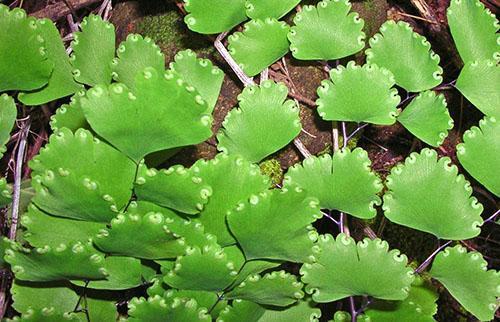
[[218, 240]]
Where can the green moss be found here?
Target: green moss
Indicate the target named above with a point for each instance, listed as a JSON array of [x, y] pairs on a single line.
[[272, 169]]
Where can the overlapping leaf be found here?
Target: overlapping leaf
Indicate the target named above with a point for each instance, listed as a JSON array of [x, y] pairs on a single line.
[[134, 55], [466, 277], [478, 83], [70, 115], [8, 114], [344, 268], [427, 118], [414, 65], [344, 182], [156, 309], [359, 94], [24, 61], [327, 31], [93, 51], [47, 315], [92, 187], [261, 9], [263, 109], [199, 73], [233, 180], [214, 16], [437, 200], [259, 225], [61, 82], [177, 112], [474, 29], [480, 152], [259, 45]]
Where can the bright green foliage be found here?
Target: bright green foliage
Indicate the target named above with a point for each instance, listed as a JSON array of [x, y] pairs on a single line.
[[414, 65], [437, 200], [276, 288], [251, 312], [155, 241], [220, 267], [4, 245], [155, 309], [261, 43], [47, 315], [5, 192], [134, 55], [233, 180], [93, 51], [262, 109], [420, 305], [8, 113], [253, 267], [427, 118], [40, 228], [344, 182], [24, 61], [327, 31], [276, 224], [124, 273], [92, 186], [474, 29], [70, 115], [466, 277], [203, 298], [480, 152], [61, 82], [359, 94], [37, 296], [66, 261], [214, 16], [201, 74], [478, 82], [344, 268], [177, 188], [177, 112], [261, 9]]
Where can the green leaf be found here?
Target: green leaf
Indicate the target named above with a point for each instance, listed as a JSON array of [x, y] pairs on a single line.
[[210, 268], [5, 193], [233, 180], [420, 305], [99, 309], [466, 277], [134, 55], [66, 261], [93, 51], [70, 115], [176, 187], [478, 83], [43, 229], [474, 29], [326, 32], [344, 268], [204, 299], [359, 94], [61, 82], [24, 62], [261, 9], [261, 109], [276, 288], [427, 118], [258, 225], [155, 241], [4, 245], [92, 187], [124, 273], [47, 315], [214, 16], [155, 309], [261, 44], [251, 312], [344, 182], [480, 152], [437, 200], [414, 65], [162, 113], [8, 114], [38, 296], [201, 74]]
